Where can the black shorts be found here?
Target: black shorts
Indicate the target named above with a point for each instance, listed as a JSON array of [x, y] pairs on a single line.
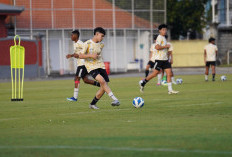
[[210, 63], [161, 65], [100, 71], [151, 64], [81, 71]]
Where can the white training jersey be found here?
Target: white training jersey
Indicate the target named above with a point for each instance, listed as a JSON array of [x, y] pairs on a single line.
[[154, 53], [78, 46], [162, 54], [211, 52], [90, 47]]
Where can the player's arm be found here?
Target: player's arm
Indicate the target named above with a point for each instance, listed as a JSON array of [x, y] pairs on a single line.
[[150, 55], [159, 47], [85, 56], [205, 56], [170, 54]]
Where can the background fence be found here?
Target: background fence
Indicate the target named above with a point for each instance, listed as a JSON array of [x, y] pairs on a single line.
[[130, 25]]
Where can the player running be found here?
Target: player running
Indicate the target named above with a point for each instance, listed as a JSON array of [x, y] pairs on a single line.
[[92, 53], [81, 71], [210, 54], [151, 62], [161, 63]]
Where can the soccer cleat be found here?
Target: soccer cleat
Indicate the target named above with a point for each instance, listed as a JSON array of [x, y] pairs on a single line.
[[164, 83], [213, 79], [158, 84], [115, 103], [173, 92], [93, 107], [72, 99], [206, 80], [141, 87]]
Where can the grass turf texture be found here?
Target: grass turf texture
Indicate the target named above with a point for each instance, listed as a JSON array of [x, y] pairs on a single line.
[[196, 122]]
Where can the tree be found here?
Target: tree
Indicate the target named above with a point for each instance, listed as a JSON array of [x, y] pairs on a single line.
[[185, 16]]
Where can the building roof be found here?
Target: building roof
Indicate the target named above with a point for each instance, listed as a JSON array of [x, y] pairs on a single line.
[[84, 15], [10, 10]]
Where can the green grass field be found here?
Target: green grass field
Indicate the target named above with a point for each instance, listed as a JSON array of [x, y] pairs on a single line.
[[196, 122]]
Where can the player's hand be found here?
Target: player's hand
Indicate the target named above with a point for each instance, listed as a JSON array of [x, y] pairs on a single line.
[[76, 55], [95, 56], [168, 46], [68, 56], [171, 61]]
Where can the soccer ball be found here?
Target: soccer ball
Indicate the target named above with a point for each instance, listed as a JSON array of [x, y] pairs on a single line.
[[164, 83], [138, 102], [179, 81], [223, 78]]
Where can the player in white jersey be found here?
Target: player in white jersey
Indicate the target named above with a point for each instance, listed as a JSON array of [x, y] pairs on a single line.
[[81, 71], [151, 62], [92, 53], [161, 62], [170, 59], [210, 54]]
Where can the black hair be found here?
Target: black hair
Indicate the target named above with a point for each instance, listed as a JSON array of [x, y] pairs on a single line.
[[211, 39], [76, 32], [162, 26], [100, 30], [166, 36], [155, 36]]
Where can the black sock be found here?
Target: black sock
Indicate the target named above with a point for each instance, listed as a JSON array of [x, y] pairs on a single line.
[[94, 101], [144, 82], [146, 73], [213, 76], [96, 83]]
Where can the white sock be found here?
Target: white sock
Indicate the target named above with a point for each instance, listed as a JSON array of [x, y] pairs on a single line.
[[169, 86], [159, 78], [75, 94], [173, 79], [112, 96], [206, 77]]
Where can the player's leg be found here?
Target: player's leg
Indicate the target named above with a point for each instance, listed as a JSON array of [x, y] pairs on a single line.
[[101, 76], [159, 78], [142, 83], [147, 69], [206, 71], [76, 89], [168, 71], [213, 71], [99, 94], [172, 77], [89, 81]]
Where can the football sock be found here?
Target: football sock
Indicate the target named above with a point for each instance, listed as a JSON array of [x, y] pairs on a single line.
[[94, 101], [96, 83], [146, 73], [173, 79], [213, 76], [206, 77], [159, 78], [112, 96], [75, 94], [144, 82], [169, 86]]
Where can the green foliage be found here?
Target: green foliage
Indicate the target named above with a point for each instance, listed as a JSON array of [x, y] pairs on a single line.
[[184, 16]]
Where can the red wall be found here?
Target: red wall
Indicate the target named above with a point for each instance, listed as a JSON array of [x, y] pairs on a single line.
[[30, 52]]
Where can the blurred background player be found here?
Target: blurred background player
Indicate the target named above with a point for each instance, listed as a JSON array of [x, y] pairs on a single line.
[[81, 71], [151, 62], [161, 62], [92, 53], [170, 59], [210, 54]]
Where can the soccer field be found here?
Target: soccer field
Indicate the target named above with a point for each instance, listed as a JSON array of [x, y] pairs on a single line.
[[196, 122]]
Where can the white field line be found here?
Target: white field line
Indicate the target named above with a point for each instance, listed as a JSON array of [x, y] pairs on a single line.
[[6, 119], [199, 104], [118, 149]]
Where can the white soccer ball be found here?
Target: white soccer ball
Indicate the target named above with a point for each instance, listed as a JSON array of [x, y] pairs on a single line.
[[179, 81], [138, 102], [223, 78], [164, 83]]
